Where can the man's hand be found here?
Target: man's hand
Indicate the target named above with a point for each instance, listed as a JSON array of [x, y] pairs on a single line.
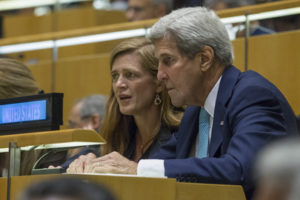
[[79, 165], [112, 163]]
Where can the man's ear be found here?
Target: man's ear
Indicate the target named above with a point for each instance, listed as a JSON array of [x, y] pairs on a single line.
[[95, 120], [207, 56]]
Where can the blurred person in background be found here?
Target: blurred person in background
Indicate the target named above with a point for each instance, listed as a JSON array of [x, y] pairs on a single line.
[[87, 113], [148, 9], [187, 3], [277, 171], [279, 24], [238, 30]]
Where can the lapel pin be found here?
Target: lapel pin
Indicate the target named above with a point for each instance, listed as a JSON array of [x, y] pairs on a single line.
[[222, 123]]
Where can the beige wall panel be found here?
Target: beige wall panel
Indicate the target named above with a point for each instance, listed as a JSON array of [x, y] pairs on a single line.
[[239, 53], [103, 17], [72, 18], [43, 75], [33, 57], [26, 24], [106, 47], [277, 58], [75, 51], [36, 57], [79, 77]]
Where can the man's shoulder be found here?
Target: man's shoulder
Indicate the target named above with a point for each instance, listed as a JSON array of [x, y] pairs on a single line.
[[249, 79]]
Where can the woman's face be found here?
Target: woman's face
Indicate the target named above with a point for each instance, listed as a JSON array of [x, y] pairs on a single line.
[[134, 87]]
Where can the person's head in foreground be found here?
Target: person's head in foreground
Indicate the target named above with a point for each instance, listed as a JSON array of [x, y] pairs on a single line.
[[66, 189], [16, 79], [277, 171], [192, 53]]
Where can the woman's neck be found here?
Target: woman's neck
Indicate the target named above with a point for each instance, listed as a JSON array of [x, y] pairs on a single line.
[[148, 124]]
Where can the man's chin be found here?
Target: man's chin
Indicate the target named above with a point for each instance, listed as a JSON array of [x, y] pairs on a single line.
[[176, 102]]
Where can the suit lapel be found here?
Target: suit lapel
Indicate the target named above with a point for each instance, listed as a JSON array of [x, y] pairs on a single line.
[[229, 78], [190, 135]]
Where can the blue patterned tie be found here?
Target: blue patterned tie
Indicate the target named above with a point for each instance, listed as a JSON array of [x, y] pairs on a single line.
[[203, 134]]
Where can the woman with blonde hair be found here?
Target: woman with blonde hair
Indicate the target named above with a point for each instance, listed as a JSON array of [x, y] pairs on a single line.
[[17, 80], [139, 115]]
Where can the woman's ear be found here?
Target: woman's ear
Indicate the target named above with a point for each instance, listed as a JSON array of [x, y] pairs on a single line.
[[206, 55]]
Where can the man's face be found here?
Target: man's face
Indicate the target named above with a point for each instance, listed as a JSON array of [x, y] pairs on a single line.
[[140, 10], [180, 74], [75, 120]]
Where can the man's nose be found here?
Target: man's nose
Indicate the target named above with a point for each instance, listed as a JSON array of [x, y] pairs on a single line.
[[161, 74]]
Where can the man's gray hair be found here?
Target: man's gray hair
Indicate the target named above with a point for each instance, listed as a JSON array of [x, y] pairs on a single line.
[[279, 166], [94, 104], [192, 29], [167, 3]]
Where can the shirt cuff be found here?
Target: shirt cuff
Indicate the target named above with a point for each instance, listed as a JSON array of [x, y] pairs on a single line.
[[151, 168]]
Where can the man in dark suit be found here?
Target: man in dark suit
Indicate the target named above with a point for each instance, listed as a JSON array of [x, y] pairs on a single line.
[[230, 115], [245, 110]]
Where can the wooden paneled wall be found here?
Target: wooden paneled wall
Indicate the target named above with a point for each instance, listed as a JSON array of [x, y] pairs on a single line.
[[41, 56], [68, 19], [274, 56], [277, 58], [75, 77]]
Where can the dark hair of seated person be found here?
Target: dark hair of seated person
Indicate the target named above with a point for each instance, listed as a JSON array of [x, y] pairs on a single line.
[[66, 188]]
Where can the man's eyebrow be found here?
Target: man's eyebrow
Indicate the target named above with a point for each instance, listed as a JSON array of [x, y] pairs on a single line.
[[164, 55]]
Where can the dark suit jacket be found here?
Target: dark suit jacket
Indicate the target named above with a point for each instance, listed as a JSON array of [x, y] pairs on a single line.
[[249, 113]]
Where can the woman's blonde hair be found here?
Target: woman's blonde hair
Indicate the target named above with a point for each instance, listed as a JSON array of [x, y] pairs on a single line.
[[116, 126], [16, 79]]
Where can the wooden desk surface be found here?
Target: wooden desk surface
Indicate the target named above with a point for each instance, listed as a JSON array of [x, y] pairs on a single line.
[[51, 137], [188, 191], [136, 188]]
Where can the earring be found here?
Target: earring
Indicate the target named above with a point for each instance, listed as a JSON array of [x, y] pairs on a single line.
[[157, 100]]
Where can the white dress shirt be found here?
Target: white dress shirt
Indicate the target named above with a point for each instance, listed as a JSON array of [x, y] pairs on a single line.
[[155, 167]]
